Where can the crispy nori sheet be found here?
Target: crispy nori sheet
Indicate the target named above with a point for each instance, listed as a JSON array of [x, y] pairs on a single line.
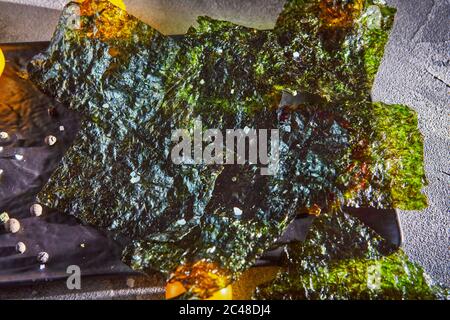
[[340, 260], [310, 78], [333, 49], [111, 69]]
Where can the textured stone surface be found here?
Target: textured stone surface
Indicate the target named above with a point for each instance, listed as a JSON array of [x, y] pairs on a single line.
[[53, 4], [20, 23], [176, 16], [96, 288], [414, 72]]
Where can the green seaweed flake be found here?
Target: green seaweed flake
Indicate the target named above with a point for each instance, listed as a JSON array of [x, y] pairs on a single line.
[[401, 146], [342, 259], [377, 21], [390, 278]]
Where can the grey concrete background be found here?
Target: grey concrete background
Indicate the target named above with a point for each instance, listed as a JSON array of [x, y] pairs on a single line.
[[415, 72], [176, 16], [97, 288]]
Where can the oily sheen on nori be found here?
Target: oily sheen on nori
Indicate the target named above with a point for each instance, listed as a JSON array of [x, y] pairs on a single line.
[[310, 78]]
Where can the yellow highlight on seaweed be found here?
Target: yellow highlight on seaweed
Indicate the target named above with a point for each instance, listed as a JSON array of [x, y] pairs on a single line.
[[2, 62], [223, 295], [119, 3]]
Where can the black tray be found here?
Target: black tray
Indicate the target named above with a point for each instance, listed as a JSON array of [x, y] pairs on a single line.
[[24, 115]]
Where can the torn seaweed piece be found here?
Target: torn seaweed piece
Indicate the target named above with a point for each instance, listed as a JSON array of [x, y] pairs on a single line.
[[232, 98], [212, 84], [387, 161], [158, 205], [112, 69], [332, 50], [340, 260]]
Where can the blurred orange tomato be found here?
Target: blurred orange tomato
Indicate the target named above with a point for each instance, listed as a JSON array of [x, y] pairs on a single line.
[[2, 62], [174, 289]]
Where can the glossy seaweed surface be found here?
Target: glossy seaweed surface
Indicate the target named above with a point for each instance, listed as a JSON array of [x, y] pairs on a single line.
[[310, 78], [341, 259]]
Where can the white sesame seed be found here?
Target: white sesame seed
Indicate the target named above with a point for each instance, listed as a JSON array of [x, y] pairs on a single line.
[[51, 140], [18, 157], [4, 135], [21, 247], [36, 210], [43, 257], [135, 178], [12, 225], [296, 55], [211, 250], [237, 212]]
